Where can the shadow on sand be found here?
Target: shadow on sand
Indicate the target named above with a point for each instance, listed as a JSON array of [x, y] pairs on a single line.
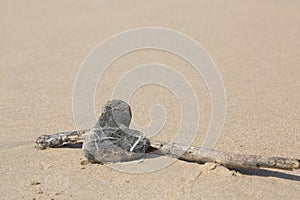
[[268, 173]]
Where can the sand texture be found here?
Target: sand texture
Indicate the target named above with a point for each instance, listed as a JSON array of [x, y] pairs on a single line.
[[255, 44]]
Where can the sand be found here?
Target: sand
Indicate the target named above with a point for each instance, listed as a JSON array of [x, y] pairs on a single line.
[[255, 44]]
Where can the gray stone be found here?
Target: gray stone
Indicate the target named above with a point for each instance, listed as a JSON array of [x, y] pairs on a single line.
[[115, 113], [111, 140]]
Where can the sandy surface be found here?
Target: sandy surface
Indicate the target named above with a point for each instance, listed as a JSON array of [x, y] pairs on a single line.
[[256, 45]]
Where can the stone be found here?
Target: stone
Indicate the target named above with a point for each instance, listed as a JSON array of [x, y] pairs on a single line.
[[111, 139]]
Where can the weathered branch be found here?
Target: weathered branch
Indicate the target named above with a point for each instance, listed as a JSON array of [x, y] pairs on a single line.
[[60, 139], [183, 152], [196, 154]]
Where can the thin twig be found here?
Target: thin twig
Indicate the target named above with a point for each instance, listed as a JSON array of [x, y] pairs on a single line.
[[183, 152]]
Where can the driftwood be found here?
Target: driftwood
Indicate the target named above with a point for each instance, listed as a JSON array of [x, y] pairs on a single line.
[[190, 154]]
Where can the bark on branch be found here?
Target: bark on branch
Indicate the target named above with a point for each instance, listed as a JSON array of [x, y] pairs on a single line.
[[183, 152]]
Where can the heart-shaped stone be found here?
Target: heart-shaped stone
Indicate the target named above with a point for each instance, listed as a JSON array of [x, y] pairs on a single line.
[[111, 139]]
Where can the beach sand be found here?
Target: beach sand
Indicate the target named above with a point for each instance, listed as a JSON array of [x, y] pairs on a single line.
[[255, 44]]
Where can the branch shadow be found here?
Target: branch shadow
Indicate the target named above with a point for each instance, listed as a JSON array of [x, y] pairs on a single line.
[[69, 146], [268, 173], [151, 156]]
